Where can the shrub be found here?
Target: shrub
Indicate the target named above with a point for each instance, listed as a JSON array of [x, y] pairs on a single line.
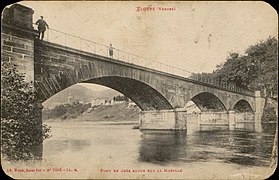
[[21, 132]]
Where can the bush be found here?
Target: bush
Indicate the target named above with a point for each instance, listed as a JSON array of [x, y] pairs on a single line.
[[22, 133], [269, 114]]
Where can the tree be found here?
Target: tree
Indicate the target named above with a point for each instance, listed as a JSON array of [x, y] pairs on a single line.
[[255, 70], [121, 98], [21, 132], [265, 60], [238, 70]]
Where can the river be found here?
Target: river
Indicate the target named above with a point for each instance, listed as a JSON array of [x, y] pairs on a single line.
[[94, 150]]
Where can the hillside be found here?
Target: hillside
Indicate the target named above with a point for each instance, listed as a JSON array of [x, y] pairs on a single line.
[[111, 113], [79, 92], [117, 112]]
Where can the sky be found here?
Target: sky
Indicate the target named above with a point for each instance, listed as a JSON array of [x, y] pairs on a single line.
[[196, 36]]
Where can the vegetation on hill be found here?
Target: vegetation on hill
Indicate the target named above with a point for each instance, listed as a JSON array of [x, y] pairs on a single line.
[[115, 113], [121, 98], [84, 112], [66, 111]]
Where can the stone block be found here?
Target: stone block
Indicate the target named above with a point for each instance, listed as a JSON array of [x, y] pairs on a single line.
[[6, 48], [22, 51], [5, 58], [5, 37], [14, 44], [12, 55], [22, 40]]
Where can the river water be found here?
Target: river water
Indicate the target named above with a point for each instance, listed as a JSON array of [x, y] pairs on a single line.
[[94, 150], [108, 146]]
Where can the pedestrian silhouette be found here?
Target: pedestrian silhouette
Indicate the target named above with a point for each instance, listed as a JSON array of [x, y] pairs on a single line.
[[42, 25], [110, 51]]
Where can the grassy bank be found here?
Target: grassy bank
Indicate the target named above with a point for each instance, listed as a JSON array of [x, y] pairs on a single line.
[[110, 113]]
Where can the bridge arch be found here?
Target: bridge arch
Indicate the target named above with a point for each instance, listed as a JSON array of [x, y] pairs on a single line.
[[242, 106], [207, 101], [145, 96]]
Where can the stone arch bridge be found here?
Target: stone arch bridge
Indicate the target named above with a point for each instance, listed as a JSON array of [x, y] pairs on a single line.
[[58, 67], [160, 95]]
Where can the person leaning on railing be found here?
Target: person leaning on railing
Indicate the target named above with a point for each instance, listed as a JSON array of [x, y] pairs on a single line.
[[110, 51], [42, 25]]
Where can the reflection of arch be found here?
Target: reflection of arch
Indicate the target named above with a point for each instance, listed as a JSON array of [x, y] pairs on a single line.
[[242, 106], [207, 101], [162, 146], [146, 97]]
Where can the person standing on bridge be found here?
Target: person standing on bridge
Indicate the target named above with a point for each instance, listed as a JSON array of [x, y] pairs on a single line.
[[42, 24], [110, 51]]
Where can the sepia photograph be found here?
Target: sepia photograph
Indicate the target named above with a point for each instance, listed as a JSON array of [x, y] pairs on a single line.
[[139, 90]]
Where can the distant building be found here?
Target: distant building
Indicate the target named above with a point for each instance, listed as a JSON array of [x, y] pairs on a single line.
[[81, 102], [70, 99], [131, 104], [97, 102], [118, 102], [108, 102]]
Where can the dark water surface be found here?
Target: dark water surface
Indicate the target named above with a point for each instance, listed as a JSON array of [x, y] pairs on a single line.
[[245, 148], [108, 143]]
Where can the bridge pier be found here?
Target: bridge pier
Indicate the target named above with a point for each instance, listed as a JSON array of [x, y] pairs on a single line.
[[211, 120], [259, 106], [231, 117], [163, 120], [226, 120]]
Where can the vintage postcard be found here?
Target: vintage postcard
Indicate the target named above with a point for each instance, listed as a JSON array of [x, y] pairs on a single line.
[[139, 90]]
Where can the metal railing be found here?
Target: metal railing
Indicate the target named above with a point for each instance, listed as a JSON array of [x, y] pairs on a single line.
[[76, 42]]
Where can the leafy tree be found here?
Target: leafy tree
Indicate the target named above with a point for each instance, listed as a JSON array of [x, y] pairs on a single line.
[[237, 70], [255, 70], [21, 132], [265, 60]]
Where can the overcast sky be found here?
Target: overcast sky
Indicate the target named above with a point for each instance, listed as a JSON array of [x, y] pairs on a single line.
[[196, 36]]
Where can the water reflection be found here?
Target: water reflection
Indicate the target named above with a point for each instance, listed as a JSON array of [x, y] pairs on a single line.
[[162, 146], [246, 148], [63, 145]]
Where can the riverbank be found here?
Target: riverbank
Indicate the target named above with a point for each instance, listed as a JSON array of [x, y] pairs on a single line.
[[73, 122]]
